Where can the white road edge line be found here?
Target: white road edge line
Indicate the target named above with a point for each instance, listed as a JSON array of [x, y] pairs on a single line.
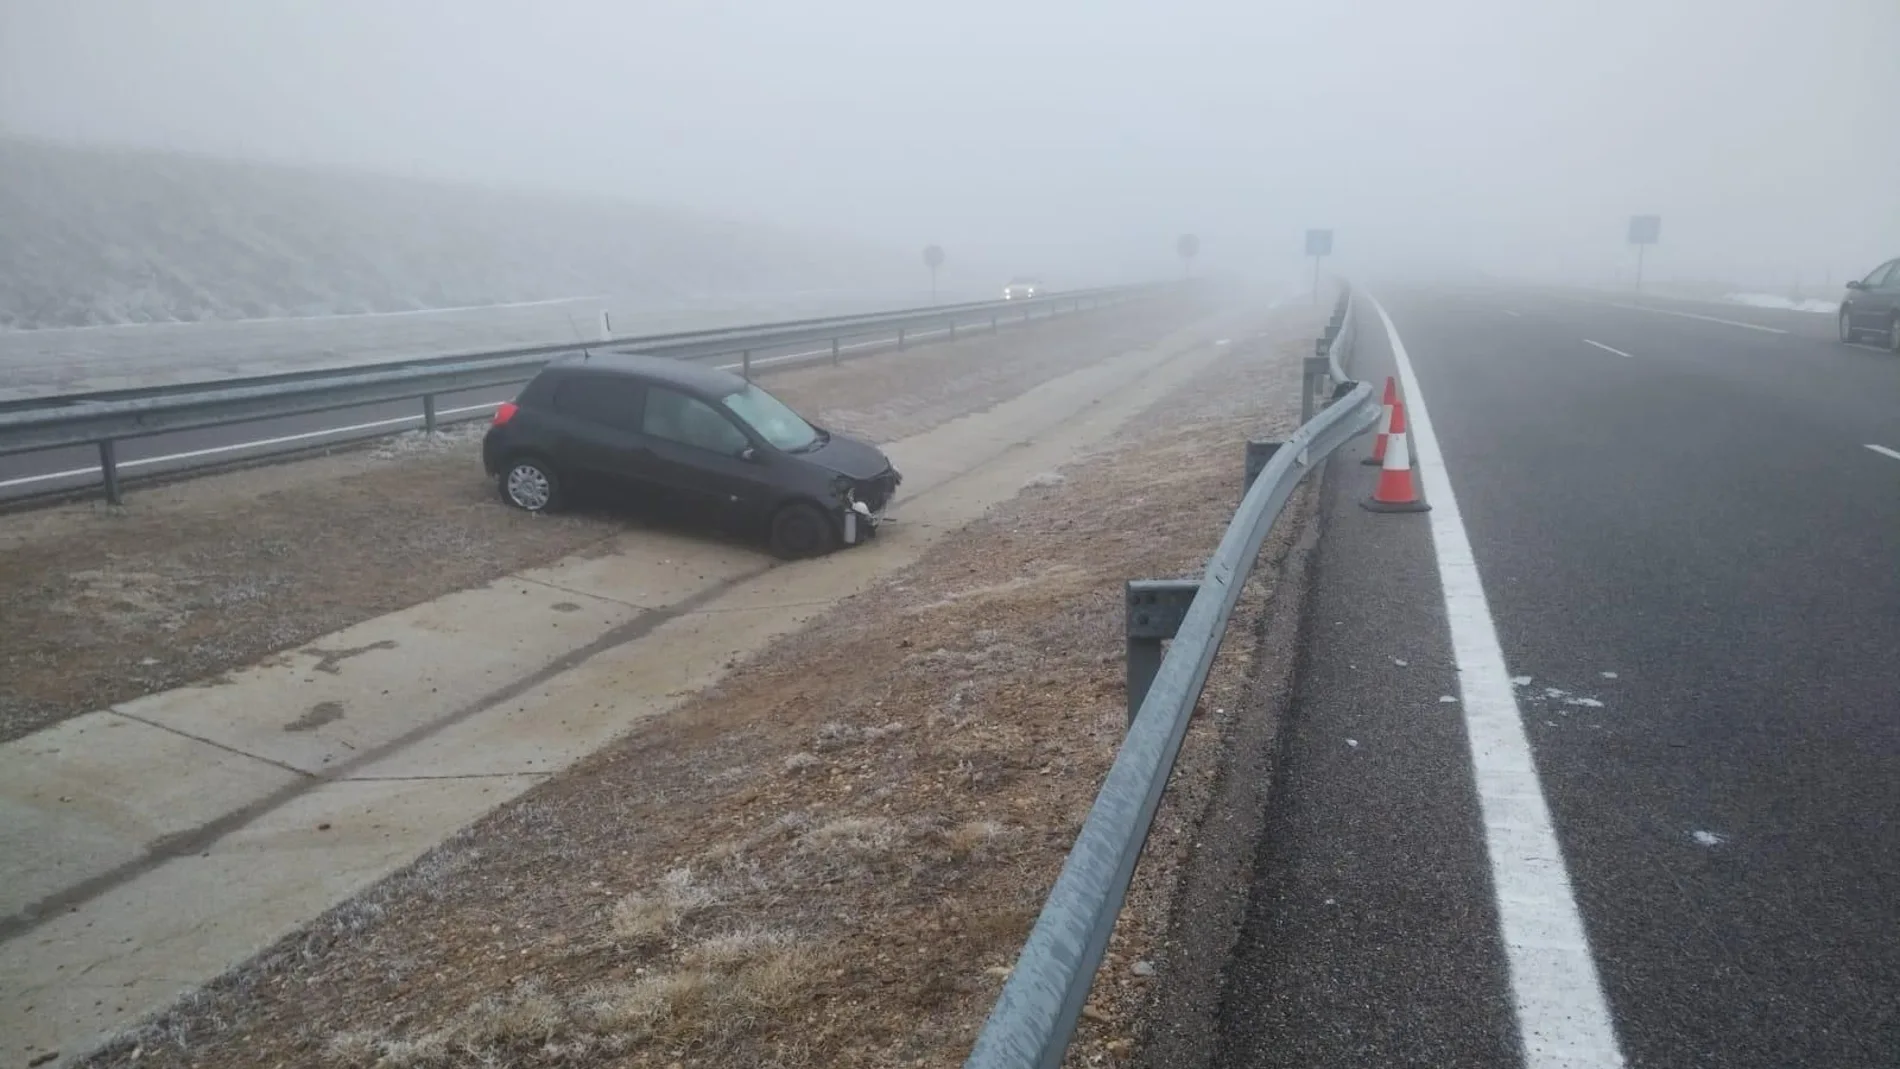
[[1693, 315], [236, 447], [1606, 348], [1884, 451], [1563, 1019], [1513, 315]]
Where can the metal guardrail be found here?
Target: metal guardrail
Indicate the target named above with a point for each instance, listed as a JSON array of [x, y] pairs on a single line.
[[1034, 1017], [105, 418], [1339, 338], [718, 340]]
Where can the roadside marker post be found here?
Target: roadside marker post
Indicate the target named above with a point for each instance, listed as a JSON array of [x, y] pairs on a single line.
[[1319, 245]]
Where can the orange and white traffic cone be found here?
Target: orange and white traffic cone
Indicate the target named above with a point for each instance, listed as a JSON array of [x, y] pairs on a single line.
[[1396, 491], [1385, 424]]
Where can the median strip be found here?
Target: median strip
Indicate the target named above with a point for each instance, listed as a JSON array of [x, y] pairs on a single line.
[[374, 805], [828, 858]]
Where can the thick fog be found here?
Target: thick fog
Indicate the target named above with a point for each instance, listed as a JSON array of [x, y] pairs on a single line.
[[1060, 136]]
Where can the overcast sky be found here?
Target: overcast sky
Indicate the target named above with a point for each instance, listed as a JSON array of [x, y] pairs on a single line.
[[1512, 135]]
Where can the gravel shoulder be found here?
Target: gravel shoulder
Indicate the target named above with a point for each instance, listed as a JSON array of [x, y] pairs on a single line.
[[192, 579], [830, 858]]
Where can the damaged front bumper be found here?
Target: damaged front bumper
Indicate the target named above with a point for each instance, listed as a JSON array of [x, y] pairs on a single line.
[[860, 523], [864, 505]]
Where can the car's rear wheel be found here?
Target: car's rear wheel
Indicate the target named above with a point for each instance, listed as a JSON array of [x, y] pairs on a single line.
[[1847, 326], [800, 530], [529, 483]]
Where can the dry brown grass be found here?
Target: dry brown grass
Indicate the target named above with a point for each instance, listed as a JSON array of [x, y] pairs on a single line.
[[659, 912], [973, 840], [714, 995]]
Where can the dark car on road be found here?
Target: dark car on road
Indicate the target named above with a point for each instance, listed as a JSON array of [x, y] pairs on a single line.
[[690, 436], [1871, 308]]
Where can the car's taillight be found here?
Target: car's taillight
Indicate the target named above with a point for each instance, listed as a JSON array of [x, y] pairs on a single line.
[[505, 413]]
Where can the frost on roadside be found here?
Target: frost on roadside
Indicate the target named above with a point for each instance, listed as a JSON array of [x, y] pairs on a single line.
[[450, 439]]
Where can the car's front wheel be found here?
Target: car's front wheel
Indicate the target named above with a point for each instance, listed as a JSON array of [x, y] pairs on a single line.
[[529, 483], [1893, 333], [801, 529], [1847, 326]]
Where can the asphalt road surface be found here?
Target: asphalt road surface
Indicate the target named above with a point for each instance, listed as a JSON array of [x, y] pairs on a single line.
[[1628, 792]]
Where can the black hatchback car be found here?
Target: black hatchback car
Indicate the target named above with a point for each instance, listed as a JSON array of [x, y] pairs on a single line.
[[692, 436]]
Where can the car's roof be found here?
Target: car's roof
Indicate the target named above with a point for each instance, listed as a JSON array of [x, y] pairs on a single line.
[[667, 371]]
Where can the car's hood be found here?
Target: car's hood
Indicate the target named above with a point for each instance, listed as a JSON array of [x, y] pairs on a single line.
[[849, 457]]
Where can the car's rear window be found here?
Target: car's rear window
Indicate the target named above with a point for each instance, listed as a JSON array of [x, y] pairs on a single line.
[[611, 400]]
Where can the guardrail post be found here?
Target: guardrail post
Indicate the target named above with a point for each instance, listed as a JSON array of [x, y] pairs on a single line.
[[1258, 454], [900, 339], [428, 411], [109, 467], [745, 364], [1315, 369], [834, 350], [953, 330], [992, 324], [1156, 608]]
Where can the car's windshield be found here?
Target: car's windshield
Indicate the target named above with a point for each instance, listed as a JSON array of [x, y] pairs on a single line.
[[772, 418]]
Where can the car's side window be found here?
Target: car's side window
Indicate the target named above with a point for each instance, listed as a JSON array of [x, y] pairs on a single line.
[[605, 399], [1883, 276], [688, 420]]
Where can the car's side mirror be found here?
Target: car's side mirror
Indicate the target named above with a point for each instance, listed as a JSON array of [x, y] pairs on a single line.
[[748, 454], [1856, 284]]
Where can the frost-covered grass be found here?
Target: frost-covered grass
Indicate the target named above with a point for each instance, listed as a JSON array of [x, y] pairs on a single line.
[[105, 236], [1769, 300]]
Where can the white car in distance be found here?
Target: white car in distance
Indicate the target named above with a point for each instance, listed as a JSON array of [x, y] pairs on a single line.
[[1021, 288]]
